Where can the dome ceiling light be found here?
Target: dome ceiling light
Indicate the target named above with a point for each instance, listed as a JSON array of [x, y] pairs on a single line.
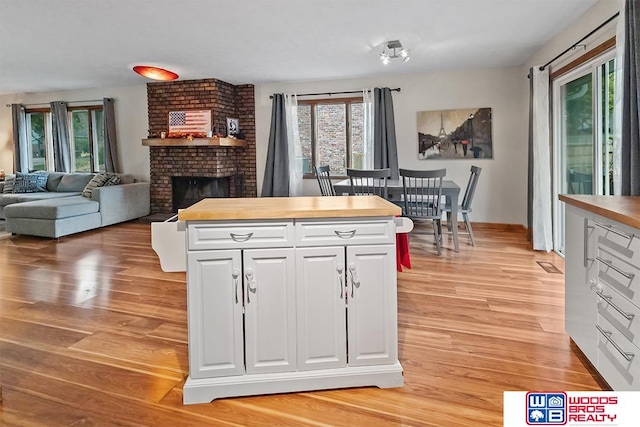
[[155, 73]]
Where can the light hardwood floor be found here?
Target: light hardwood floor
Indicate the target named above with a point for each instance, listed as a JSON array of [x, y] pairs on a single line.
[[94, 333]]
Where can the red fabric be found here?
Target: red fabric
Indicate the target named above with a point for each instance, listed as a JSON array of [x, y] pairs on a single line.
[[402, 251]]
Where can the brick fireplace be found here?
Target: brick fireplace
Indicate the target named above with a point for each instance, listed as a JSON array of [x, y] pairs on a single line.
[[233, 164]]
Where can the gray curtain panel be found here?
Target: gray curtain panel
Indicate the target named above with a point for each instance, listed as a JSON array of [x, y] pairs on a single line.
[[385, 149], [630, 143], [20, 138], [111, 162], [530, 164], [276, 173], [60, 133]]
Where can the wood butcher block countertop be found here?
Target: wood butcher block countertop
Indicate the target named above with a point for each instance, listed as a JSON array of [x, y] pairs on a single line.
[[624, 209], [288, 208]]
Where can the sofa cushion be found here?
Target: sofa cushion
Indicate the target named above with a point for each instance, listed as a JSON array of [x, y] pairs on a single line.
[[62, 207], [74, 182], [30, 183], [54, 180], [8, 184], [100, 180], [126, 178]]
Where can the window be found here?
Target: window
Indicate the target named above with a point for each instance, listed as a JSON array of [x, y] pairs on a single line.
[[583, 134], [86, 139], [331, 133]]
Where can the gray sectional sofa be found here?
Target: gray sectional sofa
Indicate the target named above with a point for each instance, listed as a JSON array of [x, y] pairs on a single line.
[[63, 210]]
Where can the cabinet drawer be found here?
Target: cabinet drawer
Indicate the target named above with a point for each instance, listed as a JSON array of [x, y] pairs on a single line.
[[620, 240], [620, 313], [620, 366], [619, 275], [240, 235], [345, 232]]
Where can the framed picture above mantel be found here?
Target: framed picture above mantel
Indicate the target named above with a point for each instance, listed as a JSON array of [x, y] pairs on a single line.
[[455, 134], [196, 123]]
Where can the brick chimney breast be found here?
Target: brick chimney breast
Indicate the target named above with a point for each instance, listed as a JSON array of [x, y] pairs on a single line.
[[225, 100]]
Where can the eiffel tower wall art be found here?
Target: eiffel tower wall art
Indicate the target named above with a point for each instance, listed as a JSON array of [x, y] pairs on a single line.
[[455, 134]]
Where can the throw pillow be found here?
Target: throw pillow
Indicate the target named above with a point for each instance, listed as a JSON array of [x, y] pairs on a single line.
[[97, 181], [30, 183], [8, 184], [113, 180], [102, 179]]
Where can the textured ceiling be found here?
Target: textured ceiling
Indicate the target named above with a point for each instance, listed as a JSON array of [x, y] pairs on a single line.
[[73, 44]]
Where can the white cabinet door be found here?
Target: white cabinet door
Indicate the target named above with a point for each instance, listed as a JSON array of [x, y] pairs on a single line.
[[214, 299], [270, 311], [372, 316], [321, 316], [581, 308]]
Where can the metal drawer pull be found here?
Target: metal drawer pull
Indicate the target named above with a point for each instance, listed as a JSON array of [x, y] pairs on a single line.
[[249, 276], [614, 230], [587, 227], [345, 234], [609, 264], [607, 334], [355, 280], [240, 237], [235, 274], [628, 316]]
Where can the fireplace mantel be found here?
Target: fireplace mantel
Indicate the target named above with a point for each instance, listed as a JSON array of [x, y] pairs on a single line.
[[201, 142]]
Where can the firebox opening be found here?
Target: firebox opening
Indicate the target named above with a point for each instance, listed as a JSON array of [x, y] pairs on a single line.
[[188, 190]]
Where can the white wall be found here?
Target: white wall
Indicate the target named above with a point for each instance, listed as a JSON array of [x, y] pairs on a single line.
[[131, 122], [501, 192]]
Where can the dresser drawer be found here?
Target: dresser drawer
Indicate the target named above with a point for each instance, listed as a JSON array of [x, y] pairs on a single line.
[[619, 275], [239, 235], [620, 366], [620, 240], [620, 313], [345, 232]]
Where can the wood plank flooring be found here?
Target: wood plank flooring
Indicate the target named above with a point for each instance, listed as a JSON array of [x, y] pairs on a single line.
[[94, 333]]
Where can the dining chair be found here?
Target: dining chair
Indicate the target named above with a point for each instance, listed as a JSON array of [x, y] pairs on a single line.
[[465, 207], [324, 181], [365, 182], [422, 196]]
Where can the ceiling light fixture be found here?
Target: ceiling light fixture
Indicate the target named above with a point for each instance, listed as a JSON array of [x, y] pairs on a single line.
[[155, 73], [398, 52]]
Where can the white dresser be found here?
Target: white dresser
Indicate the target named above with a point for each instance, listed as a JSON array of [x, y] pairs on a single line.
[[290, 294], [602, 284]]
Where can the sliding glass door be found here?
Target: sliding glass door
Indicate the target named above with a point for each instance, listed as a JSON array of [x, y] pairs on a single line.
[[583, 135]]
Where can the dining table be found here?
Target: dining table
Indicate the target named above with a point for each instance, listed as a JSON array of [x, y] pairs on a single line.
[[395, 189]]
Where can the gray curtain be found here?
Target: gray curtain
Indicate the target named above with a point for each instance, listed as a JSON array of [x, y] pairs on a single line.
[[385, 150], [630, 141], [111, 162], [20, 138], [60, 134], [276, 173]]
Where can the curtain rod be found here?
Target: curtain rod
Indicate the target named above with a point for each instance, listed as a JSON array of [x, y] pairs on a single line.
[[335, 93], [582, 39], [69, 102]]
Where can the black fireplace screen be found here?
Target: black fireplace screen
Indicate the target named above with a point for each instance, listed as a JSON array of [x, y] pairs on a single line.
[[188, 190]]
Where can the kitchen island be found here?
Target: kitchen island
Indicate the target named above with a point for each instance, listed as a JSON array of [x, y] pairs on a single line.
[[602, 284], [290, 294]]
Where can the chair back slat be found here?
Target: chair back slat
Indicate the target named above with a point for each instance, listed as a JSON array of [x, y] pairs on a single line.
[[369, 182], [422, 193], [471, 187], [324, 181]]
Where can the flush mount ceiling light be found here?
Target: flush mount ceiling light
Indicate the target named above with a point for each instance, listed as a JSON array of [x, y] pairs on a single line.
[[155, 73], [395, 51]]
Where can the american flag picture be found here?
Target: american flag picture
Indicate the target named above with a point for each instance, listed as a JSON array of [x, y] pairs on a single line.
[[196, 121]]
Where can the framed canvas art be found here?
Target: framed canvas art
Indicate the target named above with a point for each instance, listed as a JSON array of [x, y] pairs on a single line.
[[455, 134]]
